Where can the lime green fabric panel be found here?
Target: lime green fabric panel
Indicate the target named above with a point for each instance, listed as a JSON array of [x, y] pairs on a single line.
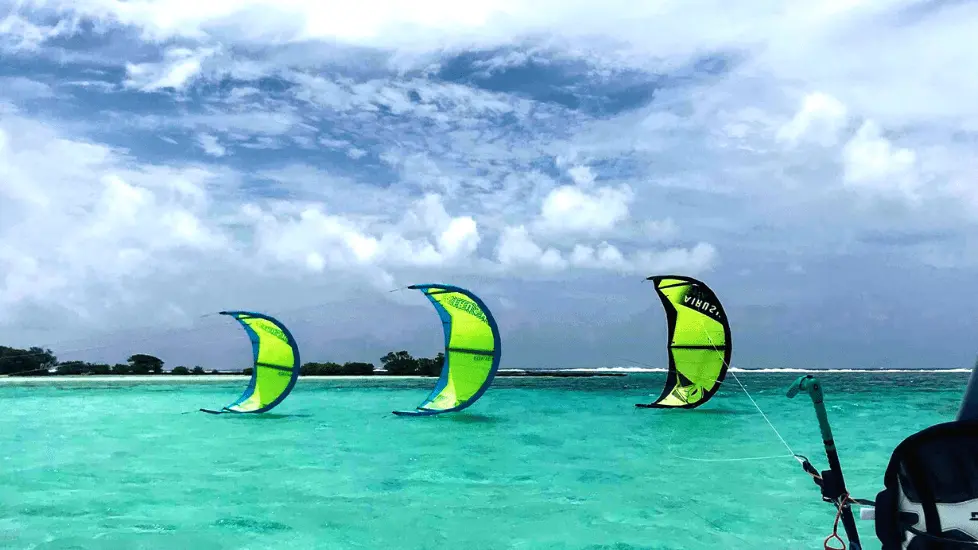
[[446, 399], [253, 403], [681, 395], [693, 328], [467, 373], [470, 330], [700, 366], [273, 349], [270, 384]]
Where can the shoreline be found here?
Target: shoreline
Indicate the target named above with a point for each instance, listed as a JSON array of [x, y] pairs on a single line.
[[217, 378], [508, 373]]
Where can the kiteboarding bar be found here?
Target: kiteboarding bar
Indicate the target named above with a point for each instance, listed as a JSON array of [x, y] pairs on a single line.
[[832, 482]]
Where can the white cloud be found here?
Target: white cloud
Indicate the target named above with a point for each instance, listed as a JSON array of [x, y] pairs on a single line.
[[115, 224], [698, 259], [460, 238], [517, 249], [582, 175], [18, 33], [691, 261], [316, 240], [660, 230], [605, 255], [571, 210], [211, 145], [873, 162], [24, 88], [180, 66], [820, 120], [123, 224]]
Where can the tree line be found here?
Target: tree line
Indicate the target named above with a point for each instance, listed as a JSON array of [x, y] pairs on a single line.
[[37, 361]]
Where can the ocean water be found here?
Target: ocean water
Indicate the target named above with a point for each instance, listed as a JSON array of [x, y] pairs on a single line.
[[537, 464]]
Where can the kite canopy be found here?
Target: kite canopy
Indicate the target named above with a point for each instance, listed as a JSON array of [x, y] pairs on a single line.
[[471, 350], [276, 366], [699, 342]]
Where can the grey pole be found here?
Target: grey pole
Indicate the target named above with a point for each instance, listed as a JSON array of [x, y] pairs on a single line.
[[969, 404]]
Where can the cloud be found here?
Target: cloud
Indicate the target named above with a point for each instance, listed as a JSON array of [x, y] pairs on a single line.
[[179, 67], [123, 222], [820, 120], [873, 161], [331, 152], [516, 249], [455, 237], [211, 146], [114, 225], [660, 230], [25, 88], [570, 210], [314, 240], [695, 260]]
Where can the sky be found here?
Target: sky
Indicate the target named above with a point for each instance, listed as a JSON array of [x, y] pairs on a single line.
[[813, 162]]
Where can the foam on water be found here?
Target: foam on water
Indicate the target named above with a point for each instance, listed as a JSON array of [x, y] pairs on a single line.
[[537, 464]]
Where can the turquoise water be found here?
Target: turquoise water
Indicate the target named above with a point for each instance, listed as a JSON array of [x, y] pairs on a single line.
[[536, 464]]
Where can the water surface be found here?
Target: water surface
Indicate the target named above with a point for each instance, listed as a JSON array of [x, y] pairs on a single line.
[[536, 464]]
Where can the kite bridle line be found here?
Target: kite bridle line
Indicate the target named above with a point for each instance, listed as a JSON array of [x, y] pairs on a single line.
[[756, 406], [726, 364], [747, 393], [842, 500]]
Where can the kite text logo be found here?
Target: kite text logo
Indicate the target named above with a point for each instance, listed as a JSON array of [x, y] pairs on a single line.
[[272, 330], [467, 306], [701, 304]]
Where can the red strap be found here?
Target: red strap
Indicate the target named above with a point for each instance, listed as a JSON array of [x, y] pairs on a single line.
[[835, 530], [842, 543]]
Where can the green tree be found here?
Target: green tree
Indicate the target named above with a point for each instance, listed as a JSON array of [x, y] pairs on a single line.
[[319, 369], [72, 367], [399, 363], [99, 368], [431, 367], [121, 368], [247, 371], [144, 364], [181, 370], [199, 370], [33, 361], [358, 369]]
